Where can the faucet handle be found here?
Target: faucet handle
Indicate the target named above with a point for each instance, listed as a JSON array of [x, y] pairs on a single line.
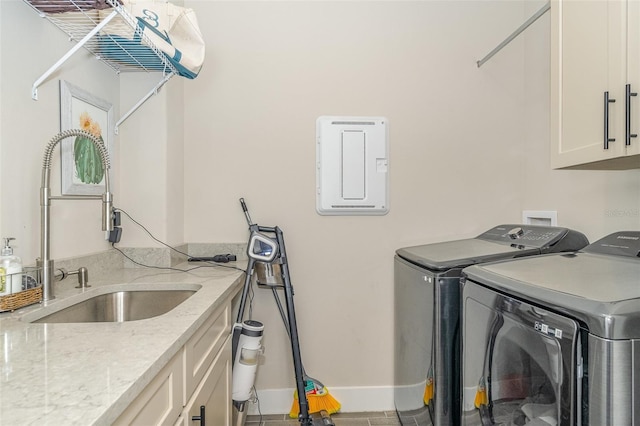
[[107, 211], [82, 273]]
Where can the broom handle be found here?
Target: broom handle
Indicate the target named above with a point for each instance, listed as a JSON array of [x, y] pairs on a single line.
[[293, 332], [281, 309], [274, 290], [307, 378]]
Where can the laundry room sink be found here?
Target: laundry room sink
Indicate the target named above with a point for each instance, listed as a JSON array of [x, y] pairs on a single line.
[[115, 306]]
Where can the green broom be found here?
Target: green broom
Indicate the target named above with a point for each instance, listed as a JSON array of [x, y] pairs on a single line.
[[318, 398]]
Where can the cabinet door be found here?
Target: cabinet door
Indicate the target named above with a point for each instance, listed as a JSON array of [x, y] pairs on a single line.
[[213, 392], [160, 403], [633, 74], [204, 345], [587, 42]]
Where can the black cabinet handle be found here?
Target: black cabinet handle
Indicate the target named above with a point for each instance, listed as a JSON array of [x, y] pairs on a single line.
[[628, 134], [200, 417], [607, 139]]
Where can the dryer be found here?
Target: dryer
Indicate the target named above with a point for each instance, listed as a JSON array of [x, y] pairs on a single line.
[[554, 339], [427, 312]]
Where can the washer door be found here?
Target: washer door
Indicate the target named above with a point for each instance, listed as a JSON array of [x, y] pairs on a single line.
[[519, 362]]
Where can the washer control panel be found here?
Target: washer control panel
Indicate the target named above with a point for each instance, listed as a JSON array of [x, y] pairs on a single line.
[[524, 235], [625, 243]]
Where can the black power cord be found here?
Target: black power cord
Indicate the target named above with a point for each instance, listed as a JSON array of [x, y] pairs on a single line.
[[209, 263]]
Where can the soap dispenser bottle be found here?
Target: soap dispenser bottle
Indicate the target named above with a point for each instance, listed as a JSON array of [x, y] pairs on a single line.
[[10, 270]]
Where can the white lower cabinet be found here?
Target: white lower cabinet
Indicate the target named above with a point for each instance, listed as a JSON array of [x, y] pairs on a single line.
[[211, 398], [199, 375], [161, 401]]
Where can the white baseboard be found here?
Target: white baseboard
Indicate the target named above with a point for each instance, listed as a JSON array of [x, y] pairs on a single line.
[[352, 399]]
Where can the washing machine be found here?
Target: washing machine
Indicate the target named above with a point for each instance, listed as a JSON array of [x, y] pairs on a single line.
[[554, 340], [427, 313]]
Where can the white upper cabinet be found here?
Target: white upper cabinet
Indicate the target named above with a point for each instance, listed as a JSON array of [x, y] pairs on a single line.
[[595, 57]]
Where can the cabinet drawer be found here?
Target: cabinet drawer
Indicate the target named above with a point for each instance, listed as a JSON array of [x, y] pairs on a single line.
[[161, 401], [204, 345]]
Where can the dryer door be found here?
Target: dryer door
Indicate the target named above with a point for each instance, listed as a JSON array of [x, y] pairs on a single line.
[[519, 362]]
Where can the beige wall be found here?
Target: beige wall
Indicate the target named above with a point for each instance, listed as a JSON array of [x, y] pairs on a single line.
[[29, 46], [459, 155], [468, 149], [152, 162]]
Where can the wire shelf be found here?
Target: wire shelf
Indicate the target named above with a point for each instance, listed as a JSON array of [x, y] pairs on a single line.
[[108, 32], [119, 43]]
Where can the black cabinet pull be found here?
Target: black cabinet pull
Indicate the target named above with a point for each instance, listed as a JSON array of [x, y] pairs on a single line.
[[607, 139], [200, 417], [628, 134]]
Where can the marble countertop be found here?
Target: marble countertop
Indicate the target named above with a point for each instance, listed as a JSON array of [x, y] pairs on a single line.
[[88, 373]]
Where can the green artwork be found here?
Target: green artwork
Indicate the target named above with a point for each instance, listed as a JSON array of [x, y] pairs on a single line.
[[88, 165]]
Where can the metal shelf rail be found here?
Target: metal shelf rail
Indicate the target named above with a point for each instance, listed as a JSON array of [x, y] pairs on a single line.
[[516, 33]]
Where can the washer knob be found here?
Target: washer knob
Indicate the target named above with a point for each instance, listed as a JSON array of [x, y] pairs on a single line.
[[515, 233]]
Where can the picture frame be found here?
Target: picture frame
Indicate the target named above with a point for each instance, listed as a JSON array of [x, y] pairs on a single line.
[[82, 174]]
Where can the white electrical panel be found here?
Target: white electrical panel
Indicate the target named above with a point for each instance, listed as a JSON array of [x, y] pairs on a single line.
[[352, 165]]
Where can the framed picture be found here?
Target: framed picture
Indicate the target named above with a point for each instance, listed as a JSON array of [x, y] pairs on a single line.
[[81, 165]]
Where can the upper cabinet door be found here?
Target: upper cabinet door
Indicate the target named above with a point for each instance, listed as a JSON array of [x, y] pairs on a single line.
[[587, 60]]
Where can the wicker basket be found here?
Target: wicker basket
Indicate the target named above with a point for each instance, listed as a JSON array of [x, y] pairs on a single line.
[[31, 294]]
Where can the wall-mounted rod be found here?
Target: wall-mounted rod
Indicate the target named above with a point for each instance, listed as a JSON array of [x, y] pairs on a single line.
[[516, 33]]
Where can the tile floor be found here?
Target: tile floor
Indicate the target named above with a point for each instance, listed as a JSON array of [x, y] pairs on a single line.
[[382, 418]]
